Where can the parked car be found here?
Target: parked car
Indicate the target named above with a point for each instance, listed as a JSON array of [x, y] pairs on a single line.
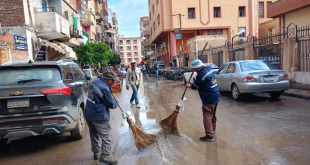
[[187, 75], [40, 98], [124, 72], [117, 86], [252, 76]]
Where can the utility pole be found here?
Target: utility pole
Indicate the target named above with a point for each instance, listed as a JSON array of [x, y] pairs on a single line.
[[182, 46]]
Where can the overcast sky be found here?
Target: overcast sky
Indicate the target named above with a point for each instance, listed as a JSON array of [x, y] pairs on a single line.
[[128, 15]]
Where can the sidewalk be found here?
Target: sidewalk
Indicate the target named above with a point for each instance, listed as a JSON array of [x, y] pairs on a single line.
[[299, 93]]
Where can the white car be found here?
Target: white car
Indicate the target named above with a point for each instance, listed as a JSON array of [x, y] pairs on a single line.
[[187, 75]]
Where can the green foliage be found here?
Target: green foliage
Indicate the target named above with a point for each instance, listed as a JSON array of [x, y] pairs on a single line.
[[115, 60], [93, 53]]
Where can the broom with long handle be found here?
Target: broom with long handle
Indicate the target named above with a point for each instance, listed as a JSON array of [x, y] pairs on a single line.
[[169, 125], [142, 139]]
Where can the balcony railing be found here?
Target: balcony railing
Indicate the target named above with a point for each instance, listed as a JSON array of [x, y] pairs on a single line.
[[52, 9]]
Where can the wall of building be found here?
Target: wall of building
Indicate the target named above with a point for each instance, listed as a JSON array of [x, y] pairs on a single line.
[[266, 27], [299, 17], [17, 55], [125, 57], [12, 13]]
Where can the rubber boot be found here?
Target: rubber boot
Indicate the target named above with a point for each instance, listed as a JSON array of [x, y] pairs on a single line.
[[107, 159]]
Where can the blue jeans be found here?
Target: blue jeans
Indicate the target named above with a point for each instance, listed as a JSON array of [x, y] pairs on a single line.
[[156, 73], [134, 96]]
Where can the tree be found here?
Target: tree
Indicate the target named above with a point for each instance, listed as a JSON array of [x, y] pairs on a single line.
[[115, 60], [93, 53]]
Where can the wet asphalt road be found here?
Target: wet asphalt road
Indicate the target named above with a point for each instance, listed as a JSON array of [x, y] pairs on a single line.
[[257, 130]]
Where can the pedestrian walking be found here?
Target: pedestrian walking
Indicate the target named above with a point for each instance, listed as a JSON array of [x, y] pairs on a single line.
[[134, 79], [209, 94], [97, 115], [156, 69], [171, 64], [144, 70]]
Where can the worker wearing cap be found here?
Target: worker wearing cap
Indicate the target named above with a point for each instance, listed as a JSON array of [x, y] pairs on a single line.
[[134, 79], [209, 93], [97, 115]]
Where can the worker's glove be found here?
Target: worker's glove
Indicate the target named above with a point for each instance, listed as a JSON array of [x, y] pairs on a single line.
[[126, 114]]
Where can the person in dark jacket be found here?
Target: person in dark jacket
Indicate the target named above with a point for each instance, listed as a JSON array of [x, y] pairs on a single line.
[[210, 96], [97, 115]]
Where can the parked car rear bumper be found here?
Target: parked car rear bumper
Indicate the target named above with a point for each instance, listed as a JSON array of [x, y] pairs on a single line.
[[34, 126], [252, 87]]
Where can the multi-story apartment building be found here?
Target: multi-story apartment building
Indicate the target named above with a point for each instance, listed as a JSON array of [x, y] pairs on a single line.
[[145, 35], [130, 49], [201, 17], [116, 32], [112, 33]]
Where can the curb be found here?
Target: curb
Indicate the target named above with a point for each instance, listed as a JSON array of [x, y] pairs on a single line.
[[297, 95]]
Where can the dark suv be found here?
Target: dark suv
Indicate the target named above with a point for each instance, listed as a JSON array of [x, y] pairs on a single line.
[[39, 98]]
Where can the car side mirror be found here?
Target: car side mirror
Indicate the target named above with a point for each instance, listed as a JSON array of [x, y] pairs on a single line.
[[88, 77]]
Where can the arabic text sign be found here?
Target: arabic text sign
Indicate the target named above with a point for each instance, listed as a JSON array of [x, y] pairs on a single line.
[[20, 43]]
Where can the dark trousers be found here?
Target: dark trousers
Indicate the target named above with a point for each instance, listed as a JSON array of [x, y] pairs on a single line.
[[100, 131], [209, 118]]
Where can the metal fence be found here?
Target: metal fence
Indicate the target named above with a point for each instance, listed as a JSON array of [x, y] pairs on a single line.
[[303, 41], [217, 54]]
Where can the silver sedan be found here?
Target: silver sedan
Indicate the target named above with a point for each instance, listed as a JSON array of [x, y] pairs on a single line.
[[251, 76]]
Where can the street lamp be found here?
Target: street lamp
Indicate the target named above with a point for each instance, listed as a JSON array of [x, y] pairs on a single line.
[[232, 41]]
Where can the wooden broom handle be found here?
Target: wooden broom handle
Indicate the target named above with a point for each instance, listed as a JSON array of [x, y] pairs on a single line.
[[118, 103], [193, 71]]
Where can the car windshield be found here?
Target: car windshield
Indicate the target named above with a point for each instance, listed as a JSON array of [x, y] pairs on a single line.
[[256, 65], [11, 76]]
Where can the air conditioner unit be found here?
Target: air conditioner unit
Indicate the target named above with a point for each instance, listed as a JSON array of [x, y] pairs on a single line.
[[164, 44], [242, 39]]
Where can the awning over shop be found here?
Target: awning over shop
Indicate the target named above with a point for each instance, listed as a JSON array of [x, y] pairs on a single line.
[[58, 51], [52, 45]]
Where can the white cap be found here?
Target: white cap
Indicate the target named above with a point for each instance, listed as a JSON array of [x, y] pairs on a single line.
[[133, 61]]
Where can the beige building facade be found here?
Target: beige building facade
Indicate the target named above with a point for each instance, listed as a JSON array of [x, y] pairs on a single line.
[[130, 49], [201, 17]]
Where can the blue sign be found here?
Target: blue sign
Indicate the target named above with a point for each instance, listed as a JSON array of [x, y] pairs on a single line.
[[20, 43], [41, 54], [178, 36]]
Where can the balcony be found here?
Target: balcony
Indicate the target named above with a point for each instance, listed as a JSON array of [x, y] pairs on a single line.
[[88, 19], [105, 10], [146, 32], [51, 24]]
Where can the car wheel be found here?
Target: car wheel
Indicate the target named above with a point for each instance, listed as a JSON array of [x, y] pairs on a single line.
[[78, 132], [3, 141], [235, 92], [275, 95]]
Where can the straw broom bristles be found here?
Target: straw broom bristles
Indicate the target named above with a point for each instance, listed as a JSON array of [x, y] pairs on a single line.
[[142, 139], [169, 125]]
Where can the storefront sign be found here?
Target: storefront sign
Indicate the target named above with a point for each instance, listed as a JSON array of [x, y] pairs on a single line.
[[178, 36], [20, 43], [41, 54]]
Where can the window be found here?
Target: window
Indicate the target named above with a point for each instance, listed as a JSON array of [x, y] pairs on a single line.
[[217, 12], [122, 59], [129, 59], [231, 68], [135, 41], [158, 19], [136, 53], [77, 73], [121, 47], [243, 34], [128, 47], [255, 65], [242, 11], [129, 53], [135, 47], [127, 41], [44, 6], [136, 59], [222, 69], [220, 31], [191, 13], [268, 3], [261, 9], [122, 53], [208, 32], [120, 41], [214, 32]]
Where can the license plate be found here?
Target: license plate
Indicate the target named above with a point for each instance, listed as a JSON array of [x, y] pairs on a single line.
[[18, 103], [268, 78]]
